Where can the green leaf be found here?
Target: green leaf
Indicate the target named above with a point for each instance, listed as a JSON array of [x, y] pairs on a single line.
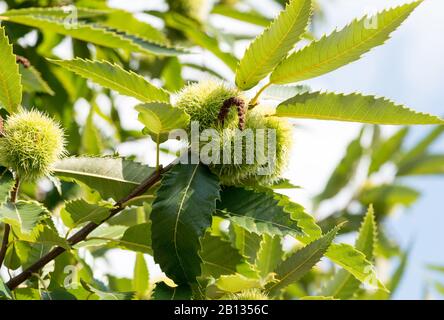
[[259, 212], [398, 274], [57, 294], [244, 16], [119, 284], [421, 147], [269, 48], [137, 238], [317, 298], [301, 262], [27, 294], [341, 47], [436, 268], [23, 214], [5, 293], [32, 81], [164, 292], [172, 75], [94, 33], [387, 196], [6, 185], [238, 282], [102, 236], [127, 22], [114, 77], [218, 257], [141, 281], [194, 32], [344, 285], [344, 171], [181, 213], [103, 295], [245, 241], [352, 108], [56, 12], [111, 177], [12, 260], [269, 255], [355, 262], [41, 235], [79, 211], [429, 164], [91, 139], [387, 150], [280, 93], [160, 119], [10, 79], [284, 184]]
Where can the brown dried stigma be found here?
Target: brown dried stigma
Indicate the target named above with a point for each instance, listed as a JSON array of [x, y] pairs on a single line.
[[22, 60], [241, 110]]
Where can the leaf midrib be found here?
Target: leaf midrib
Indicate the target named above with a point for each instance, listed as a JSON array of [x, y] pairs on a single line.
[[121, 87], [87, 174], [179, 212], [296, 269], [248, 78]]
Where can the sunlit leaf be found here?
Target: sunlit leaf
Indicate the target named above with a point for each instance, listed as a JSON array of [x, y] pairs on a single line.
[[114, 77], [10, 79], [94, 33], [344, 285], [341, 47], [141, 277], [300, 262], [181, 214], [160, 119], [352, 108], [79, 211], [269, 48], [111, 177], [24, 214]]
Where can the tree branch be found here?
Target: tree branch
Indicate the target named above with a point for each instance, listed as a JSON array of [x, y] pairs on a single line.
[[86, 230], [7, 230]]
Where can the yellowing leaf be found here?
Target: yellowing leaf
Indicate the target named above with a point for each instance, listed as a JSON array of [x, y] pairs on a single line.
[[352, 108]]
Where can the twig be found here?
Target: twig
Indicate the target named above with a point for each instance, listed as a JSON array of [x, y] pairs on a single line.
[[7, 230], [86, 230]]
